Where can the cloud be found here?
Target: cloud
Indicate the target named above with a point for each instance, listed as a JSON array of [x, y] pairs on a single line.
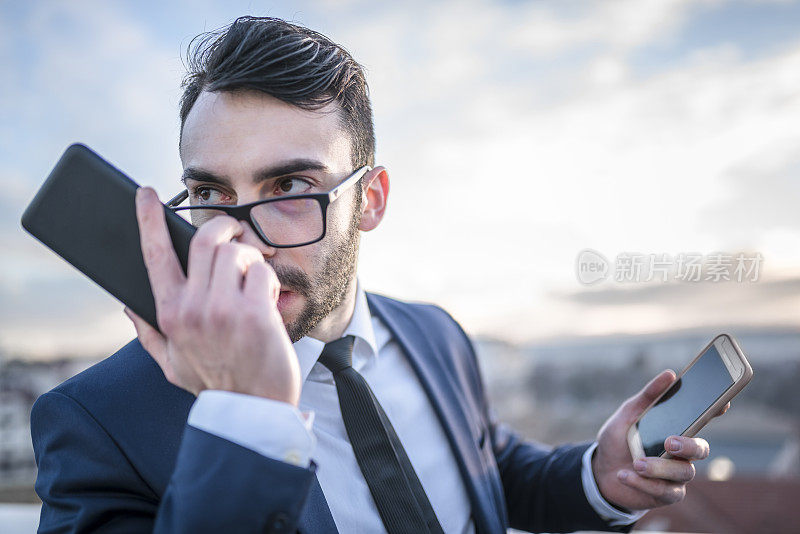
[[88, 72], [761, 194], [512, 174], [686, 292], [623, 25], [515, 136], [61, 314], [642, 309]]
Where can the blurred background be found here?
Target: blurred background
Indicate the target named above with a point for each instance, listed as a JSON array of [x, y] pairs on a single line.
[[516, 135]]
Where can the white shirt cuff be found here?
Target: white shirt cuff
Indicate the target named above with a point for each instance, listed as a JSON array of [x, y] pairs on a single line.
[[616, 517], [272, 428]]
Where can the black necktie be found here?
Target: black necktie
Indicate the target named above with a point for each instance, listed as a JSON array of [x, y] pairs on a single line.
[[393, 483]]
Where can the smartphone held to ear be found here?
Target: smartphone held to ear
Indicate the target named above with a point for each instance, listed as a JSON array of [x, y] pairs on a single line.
[[699, 393], [86, 213]]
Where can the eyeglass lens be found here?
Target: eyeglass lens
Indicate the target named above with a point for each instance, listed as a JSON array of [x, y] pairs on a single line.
[[283, 222]]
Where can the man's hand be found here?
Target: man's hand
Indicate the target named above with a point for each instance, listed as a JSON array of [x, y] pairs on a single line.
[[221, 326], [650, 482]]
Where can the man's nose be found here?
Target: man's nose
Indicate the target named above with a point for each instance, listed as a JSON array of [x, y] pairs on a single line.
[[250, 237]]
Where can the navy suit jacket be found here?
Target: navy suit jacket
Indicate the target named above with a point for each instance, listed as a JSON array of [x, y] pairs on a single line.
[[115, 454]]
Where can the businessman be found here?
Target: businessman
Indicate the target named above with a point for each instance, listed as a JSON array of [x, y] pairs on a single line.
[[276, 395]]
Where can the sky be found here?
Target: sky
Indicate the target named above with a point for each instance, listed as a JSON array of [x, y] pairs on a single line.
[[516, 135]]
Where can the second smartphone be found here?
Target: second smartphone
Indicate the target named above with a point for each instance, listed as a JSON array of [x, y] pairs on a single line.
[[701, 390]]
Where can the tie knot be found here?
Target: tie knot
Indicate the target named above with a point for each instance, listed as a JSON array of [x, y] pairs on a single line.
[[338, 355]]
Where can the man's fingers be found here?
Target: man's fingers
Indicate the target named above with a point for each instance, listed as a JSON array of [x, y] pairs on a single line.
[[688, 448], [667, 469], [260, 282], [230, 265], [639, 403], [662, 491], [723, 409], [203, 246], [163, 268]]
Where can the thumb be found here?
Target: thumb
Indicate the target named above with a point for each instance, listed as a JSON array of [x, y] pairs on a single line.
[[639, 402]]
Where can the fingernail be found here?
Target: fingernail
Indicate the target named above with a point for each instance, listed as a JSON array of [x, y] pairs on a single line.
[[640, 465], [674, 445], [622, 475]]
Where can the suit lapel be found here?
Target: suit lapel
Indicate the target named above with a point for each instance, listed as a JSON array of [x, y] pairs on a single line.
[[316, 515], [450, 408]]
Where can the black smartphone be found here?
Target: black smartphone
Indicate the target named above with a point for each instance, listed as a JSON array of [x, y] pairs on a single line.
[[700, 391], [86, 213]]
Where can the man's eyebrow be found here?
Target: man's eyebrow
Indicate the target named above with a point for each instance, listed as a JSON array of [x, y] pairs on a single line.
[[267, 173]]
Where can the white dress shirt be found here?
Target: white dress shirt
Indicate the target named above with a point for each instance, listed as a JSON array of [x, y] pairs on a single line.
[[281, 431]]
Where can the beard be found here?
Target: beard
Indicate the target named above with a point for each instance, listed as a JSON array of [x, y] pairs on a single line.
[[326, 290]]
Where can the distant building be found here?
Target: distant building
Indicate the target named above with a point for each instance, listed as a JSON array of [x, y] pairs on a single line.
[[746, 505], [21, 383]]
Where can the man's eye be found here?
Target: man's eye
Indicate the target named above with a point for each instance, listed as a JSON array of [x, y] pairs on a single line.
[[207, 195], [291, 186]]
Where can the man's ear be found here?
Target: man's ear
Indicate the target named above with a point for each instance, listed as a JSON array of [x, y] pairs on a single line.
[[373, 200]]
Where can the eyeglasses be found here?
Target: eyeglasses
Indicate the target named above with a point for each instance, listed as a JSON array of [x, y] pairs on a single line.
[[282, 222]]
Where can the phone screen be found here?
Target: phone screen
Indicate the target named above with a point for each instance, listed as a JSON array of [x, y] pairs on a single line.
[[685, 401]]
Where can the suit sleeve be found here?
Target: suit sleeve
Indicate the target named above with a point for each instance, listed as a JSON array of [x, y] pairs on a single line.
[[87, 484], [543, 487]]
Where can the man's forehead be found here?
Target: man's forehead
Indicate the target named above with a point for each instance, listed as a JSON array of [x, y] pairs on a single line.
[[242, 129]]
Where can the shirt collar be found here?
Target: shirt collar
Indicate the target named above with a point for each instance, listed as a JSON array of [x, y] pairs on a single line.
[[308, 349]]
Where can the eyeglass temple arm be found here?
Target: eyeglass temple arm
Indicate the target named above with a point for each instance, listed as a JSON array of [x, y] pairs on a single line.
[[177, 199], [342, 187]]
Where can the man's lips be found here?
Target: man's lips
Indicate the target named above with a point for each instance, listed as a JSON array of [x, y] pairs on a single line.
[[284, 298]]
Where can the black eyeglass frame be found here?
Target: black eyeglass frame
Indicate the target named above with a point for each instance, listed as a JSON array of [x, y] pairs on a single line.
[[243, 212]]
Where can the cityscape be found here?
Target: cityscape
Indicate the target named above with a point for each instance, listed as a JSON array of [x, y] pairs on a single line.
[[559, 391]]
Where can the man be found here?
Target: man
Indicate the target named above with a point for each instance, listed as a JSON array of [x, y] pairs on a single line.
[[276, 395]]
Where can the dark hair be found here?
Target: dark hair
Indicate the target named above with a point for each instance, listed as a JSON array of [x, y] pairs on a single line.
[[286, 61]]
